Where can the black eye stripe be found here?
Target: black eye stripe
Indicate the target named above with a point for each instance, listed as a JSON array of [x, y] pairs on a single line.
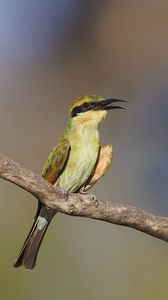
[[86, 106], [104, 104]]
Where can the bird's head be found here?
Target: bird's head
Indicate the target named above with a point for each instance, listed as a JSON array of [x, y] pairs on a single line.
[[92, 109]]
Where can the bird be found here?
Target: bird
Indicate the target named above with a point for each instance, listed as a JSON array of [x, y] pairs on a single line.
[[74, 164]]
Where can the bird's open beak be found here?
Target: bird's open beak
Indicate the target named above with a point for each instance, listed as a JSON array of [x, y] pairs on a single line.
[[107, 104]]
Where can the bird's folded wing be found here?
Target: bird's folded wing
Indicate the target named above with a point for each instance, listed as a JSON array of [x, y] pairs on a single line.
[[103, 163], [56, 161]]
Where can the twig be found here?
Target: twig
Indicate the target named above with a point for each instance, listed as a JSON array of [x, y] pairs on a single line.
[[82, 205]]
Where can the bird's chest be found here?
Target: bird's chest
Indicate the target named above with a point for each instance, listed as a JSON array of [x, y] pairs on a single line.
[[83, 155], [82, 159]]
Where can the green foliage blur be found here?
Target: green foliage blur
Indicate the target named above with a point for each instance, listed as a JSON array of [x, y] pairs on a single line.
[[52, 52]]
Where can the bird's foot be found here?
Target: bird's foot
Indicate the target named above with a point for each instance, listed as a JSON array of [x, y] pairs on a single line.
[[65, 194], [93, 197]]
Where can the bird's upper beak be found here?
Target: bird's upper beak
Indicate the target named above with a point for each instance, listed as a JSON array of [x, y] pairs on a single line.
[[107, 104]]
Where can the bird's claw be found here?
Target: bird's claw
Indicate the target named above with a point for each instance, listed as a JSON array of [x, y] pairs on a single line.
[[82, 191], [65, 194], [93, 197]]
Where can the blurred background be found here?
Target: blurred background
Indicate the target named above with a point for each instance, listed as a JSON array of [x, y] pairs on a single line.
[[50, 53]]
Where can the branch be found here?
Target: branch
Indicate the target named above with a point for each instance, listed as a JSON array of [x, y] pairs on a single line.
[[82, 205]]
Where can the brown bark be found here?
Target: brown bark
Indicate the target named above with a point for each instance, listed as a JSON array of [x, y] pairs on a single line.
[[83, 205]]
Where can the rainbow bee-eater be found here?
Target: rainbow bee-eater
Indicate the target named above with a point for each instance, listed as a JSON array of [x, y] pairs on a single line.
[[74, 165]]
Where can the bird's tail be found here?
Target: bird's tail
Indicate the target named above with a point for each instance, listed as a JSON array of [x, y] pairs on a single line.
[[28, 254]]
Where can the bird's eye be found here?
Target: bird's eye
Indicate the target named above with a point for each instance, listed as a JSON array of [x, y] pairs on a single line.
[[85, 104], [81, 109]]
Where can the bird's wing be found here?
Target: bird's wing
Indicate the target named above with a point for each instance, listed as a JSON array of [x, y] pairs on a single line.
[[103, 163], [56, 161]]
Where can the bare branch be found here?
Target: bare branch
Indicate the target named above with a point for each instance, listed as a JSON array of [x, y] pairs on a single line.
[[82, 205]]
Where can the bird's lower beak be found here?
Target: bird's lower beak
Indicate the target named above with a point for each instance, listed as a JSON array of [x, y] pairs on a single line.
[[107, 104]]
